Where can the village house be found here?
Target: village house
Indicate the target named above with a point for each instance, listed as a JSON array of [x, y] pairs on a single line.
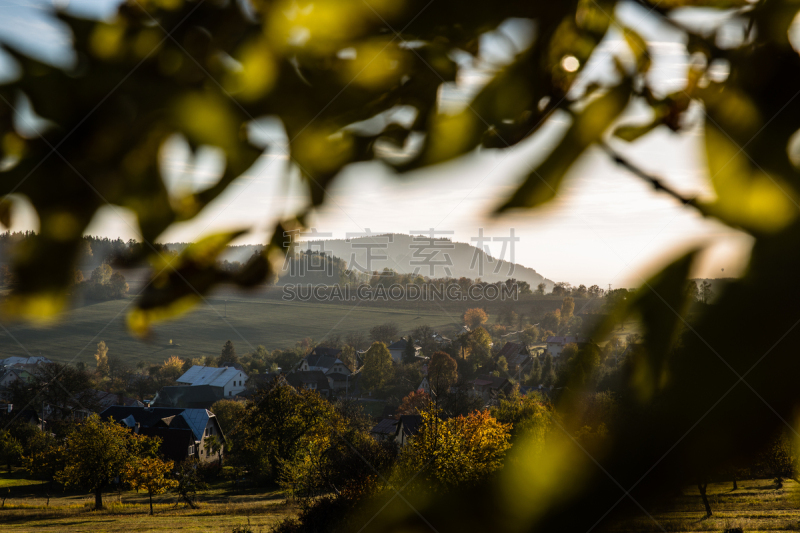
[[556, 344], [315, 380], [518, 357], [325, 360], [425, 386], [441, 340], [397, 349], [184, 433], [107, 399], [10, 375], [18, 361], [398, 429], [490, 387], [195, 397], [345, 384], [228, 379]]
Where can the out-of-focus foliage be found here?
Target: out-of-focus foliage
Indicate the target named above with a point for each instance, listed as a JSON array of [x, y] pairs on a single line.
[[700, 393]]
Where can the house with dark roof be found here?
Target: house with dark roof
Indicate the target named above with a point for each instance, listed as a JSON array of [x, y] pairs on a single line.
[[325, 360], [398, 429], [197, 397], [327, 352], [184, 432], [315, 380], [107, 399], [518, 357], [261, 381], [398, 347], [556, 344], [489, 387]]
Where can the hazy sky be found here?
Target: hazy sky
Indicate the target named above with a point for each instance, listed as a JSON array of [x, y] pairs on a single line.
[[605, 225]]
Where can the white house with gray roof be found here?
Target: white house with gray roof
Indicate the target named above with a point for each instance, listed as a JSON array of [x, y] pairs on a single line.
[[231, 380]]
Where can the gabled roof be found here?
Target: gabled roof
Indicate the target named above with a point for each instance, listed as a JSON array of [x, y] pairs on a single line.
[[398, 345], [16, 360], [195, 419], [19, 372], [326, 352], [339, 376], [411, 424], [512, 348], [385, 427], [518, 359], [209, 375], [110, 398], [401, 345], [494, 382], [321, 360]]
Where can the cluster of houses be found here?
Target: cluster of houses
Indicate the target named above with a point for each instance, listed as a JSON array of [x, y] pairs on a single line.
[[180, 415], [184, 433], [15, 368]]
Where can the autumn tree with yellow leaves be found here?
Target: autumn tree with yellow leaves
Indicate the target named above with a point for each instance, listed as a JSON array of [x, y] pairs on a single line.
[[452, 452], [172, 368], [101, 356], [151, 474], [475, 317], [97, 451]]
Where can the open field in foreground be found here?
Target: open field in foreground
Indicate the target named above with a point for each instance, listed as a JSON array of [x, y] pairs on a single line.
[[26, 509], [755, 506]]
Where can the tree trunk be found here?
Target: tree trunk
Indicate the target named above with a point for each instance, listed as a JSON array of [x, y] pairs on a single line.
[[151, 504], [735, 486], [702, 487], [98, 499]]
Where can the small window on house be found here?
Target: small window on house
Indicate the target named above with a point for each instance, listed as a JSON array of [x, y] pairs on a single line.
[[191, 450], [230, 393]]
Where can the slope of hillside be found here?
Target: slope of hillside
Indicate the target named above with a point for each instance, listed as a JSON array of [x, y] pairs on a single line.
[[406, 254]]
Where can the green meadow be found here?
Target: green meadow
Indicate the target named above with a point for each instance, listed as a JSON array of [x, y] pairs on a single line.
[[247, 321]]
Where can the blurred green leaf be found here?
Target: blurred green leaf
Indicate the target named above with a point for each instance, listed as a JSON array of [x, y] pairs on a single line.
[[6, 207], [587, 128], [179, 283], [639, 49], [631, 133]]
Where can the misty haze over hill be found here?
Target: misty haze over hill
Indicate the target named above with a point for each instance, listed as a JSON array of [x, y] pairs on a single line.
[[406, 254], [434, 258]]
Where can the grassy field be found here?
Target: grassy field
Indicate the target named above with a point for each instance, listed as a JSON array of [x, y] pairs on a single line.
[[755, 506], [27, 509], [247, 322]]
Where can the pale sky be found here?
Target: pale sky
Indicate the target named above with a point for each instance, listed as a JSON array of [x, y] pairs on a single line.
[[605, 225]]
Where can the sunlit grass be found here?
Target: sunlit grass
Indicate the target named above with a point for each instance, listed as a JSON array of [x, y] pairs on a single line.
[[755, 506], [27, 507]]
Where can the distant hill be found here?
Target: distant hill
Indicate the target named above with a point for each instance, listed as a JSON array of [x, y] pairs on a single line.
[[405, 254]]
